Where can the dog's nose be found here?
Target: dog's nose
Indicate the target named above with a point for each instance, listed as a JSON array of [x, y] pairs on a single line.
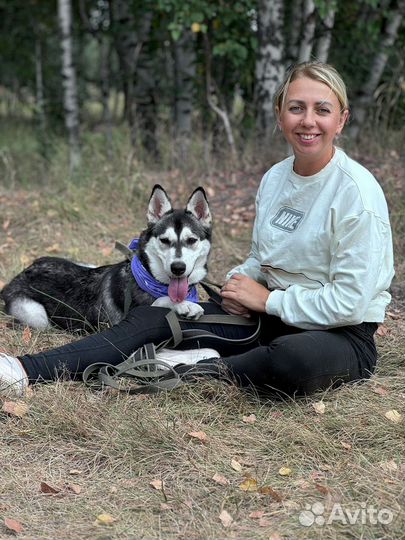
[[178, 268]]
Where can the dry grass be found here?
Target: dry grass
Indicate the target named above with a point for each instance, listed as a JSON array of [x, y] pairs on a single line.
[[101, 450]]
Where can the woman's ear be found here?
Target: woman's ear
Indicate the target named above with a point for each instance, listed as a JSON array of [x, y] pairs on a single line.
[[344, 116]]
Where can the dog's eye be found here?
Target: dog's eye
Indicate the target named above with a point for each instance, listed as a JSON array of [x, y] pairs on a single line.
[[165, 241], [191, 241]]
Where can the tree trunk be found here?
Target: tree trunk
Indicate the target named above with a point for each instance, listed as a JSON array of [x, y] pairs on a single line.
[[104, 44], [309, 23], [365, 97], [184, 75], [295, 30], [69, 82], [324, 41], [269, 62], [39, 83]]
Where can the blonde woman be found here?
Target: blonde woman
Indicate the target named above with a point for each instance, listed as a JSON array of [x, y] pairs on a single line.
[[318, 273]]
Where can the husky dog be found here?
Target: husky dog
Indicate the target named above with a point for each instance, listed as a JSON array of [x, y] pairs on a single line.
[[169, 258]]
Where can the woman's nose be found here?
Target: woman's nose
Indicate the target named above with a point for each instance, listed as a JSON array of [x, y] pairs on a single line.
[[309, 118]]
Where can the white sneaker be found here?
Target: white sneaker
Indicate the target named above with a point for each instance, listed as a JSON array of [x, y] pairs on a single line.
[[192, 356], [12, 374]]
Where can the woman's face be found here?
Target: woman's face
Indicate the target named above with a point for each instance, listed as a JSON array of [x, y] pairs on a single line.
[[310, 119]]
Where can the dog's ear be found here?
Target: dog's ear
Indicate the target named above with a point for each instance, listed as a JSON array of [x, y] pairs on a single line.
[[159, 204], [198, 206]]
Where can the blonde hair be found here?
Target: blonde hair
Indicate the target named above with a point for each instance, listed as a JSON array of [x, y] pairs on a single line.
[[317, 71]]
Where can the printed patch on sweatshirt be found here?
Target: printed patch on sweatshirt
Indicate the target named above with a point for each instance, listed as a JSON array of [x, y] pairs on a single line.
[[287, 219]]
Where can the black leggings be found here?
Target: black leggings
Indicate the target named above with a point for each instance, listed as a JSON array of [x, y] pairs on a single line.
[[284, 358]]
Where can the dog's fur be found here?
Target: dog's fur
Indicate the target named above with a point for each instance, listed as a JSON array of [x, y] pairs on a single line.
[[73, 296]]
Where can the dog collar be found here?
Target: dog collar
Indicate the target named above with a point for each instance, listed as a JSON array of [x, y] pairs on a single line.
[[148, 283]]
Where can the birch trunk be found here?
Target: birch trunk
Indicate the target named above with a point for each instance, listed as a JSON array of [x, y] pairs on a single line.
[[184, 75], [269, 62], [324, 41], [295, 30], [69, 82], [366, 95], [39, 83], [309, 23]]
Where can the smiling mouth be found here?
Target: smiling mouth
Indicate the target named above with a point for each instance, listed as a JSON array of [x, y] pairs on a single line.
[[308, 136]]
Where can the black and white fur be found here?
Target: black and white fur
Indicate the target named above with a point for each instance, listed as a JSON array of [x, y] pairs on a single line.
[[73, 296]]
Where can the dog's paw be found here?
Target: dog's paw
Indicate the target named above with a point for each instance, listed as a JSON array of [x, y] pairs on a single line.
[[188, 310]]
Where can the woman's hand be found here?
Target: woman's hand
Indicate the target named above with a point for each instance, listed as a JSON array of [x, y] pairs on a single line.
[[242, 294]]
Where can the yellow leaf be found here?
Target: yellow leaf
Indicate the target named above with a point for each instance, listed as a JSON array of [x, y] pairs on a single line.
[[225, 518], [250, 484], [24, 259], [251, 419], [319, 407], [195, 27], [284, 471], [236, 466], [157, 484], [15, 408], [219, 479], [394, 416], [105, 519], [200, 435]]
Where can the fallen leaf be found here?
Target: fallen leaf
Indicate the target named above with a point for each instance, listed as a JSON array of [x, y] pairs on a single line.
[[156, 484], [49, 490], [105, 519], [380, 390], [236, 466], [322, 489], [15, 408], [220, 479], [27, 335], [200, 435], [394, 416], [54, 248], [165, 506], [251, 419], [6, 224], [267, 490], [225, 518], [319, 407], [107, 250], [13, 525], [284, 471], [257, 514], [382, 330], [346, 445], [24, 259], [75, 472], [250, 484], [75, 488], [325, 467], [389, 466]]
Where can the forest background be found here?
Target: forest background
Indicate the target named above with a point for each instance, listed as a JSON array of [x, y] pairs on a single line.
[[100, 100]]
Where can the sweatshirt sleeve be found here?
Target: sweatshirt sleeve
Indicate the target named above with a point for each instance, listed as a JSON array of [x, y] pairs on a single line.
[[358, 273]]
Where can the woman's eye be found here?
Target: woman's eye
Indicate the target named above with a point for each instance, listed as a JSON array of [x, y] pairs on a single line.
[[295, 109], [191, 241], [324, 111], [165, 241]]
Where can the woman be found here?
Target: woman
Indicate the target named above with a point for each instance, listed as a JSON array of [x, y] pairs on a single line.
[[320, 265]]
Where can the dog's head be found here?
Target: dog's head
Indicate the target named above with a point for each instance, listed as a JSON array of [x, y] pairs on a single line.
[[176, 244]]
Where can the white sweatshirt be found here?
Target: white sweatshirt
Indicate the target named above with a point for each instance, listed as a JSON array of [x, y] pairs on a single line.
[[322, 245]]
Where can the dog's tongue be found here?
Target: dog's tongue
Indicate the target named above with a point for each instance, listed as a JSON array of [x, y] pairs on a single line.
[[178, 289]]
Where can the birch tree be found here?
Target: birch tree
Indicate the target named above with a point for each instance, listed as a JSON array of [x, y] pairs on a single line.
[[69, 83], [184, 73], [327, 24], [269, 63], [365, 96], [308, 31]]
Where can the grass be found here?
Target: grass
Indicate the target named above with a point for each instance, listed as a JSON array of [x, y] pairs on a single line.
[[100, 451]]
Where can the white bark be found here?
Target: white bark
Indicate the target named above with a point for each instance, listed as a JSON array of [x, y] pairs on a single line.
[[366, 96], [269, 62], [324, 41], [309, 22], [69, 81]]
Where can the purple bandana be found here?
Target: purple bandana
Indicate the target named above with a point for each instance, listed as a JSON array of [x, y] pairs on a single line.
[[148, 283]]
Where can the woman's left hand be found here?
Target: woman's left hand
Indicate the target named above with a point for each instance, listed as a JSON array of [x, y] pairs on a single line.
[[247, 292]]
